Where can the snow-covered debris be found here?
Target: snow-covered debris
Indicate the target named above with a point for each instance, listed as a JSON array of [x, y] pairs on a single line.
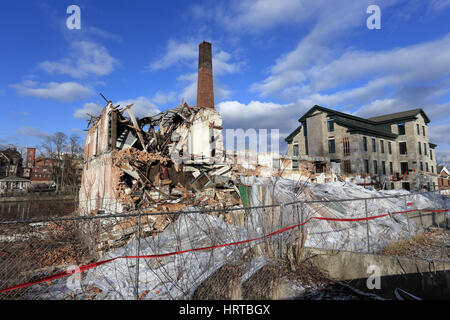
[[336, 234], [178, 276]]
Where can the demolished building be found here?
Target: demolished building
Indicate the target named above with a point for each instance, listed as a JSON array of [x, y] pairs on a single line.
[[133, 163], [170, 161]]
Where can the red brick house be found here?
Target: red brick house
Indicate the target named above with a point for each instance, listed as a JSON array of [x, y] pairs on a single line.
[[40, 169], [444, 178]]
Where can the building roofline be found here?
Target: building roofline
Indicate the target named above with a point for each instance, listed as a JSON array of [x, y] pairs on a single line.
[[334, 112], [290, 137], [14, 178], [400, 116]]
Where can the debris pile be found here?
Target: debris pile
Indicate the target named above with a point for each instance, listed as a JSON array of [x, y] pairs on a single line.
[[154, 157]]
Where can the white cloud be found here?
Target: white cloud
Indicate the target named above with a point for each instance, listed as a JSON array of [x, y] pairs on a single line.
[[85, 58], [221, 64], [187, 52], [29, 131], [103, 34], [423, 62], [262, 115], [142, 106], [176, 52], [164, 97], [379, 107], [65, 91], [325, 23], [189, 92], [439, 133], [378, 82], [263, 14], [91, 108], [439, 5], [443, 157]]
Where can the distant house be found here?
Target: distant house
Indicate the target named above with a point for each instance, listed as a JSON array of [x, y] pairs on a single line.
[[10, 163], [444, 178], [12, 183]]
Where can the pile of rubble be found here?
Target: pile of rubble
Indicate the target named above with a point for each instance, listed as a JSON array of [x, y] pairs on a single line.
[[156, 168]]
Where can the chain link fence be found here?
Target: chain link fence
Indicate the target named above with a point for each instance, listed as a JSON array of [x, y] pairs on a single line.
[[167, 255]]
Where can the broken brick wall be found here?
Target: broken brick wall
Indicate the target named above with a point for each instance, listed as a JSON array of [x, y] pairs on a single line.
[[100, 177]]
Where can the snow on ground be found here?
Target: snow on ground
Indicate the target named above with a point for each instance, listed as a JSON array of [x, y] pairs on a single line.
[[177, 277]]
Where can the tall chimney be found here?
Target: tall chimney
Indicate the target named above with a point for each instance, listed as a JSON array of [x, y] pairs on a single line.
[[205, 89]]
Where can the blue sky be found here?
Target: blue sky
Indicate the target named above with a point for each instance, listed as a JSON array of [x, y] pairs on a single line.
[[272, 60]]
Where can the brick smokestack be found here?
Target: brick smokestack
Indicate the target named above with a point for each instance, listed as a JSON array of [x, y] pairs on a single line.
[[205, 88]]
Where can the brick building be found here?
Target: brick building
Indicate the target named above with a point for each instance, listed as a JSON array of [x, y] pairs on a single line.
[[39, 169], [393, 149], [444, 178]]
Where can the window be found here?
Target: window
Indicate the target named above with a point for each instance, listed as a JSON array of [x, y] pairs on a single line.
[[424, 148], [392, 186], [426, 166], [331, 146], [347, 166], [365, 143], [383, 166], [402, 147], [295, 150], [319, 167], [421, 166], [294, 164], [420, 147], [401, 129], [366, 166], [346, 144], [431, 154], [432, 169], [306, 146], [375, 166], [404, 167], [390, 147], [276, 163], [423, 130], [374, 146], [330, 125], [418, 129], [382, 146], [391, 168]]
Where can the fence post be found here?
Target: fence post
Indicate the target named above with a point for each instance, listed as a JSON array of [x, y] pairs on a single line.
[[407, 215], [138, 250], [280, 239], [367, 226]]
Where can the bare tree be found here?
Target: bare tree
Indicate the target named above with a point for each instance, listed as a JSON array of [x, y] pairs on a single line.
[[75, 145], [60, 141], [47, 148], [53, 147], [442, 160]]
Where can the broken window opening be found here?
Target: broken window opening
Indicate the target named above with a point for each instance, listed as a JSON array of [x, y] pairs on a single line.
[[346, 145]]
